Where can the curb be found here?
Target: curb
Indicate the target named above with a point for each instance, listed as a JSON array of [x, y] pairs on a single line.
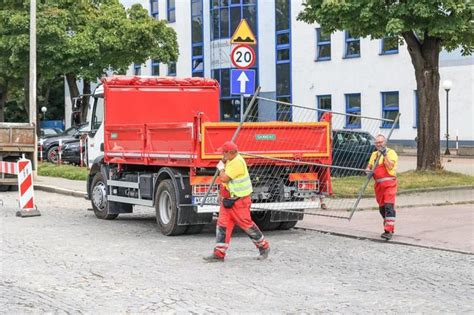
[[447, 203], [372, 239], [415, 191], [62, 191]]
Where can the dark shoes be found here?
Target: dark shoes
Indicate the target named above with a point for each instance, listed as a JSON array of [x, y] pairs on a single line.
[[386, 235], [323, 206], [263, 253], [213, 258]]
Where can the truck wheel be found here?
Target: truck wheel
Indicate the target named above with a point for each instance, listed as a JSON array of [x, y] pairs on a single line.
[[4, 188], [53, 154], [167, 210], [262, 219], [99, 198]]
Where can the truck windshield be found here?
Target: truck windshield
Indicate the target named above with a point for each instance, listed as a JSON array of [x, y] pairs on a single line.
[[98, 114]]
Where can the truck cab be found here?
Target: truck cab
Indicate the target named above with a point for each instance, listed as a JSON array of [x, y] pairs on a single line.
[[95, 131]]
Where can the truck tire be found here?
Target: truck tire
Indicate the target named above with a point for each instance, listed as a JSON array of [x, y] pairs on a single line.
[[52, 154], [99, 198], [262, 219], [167, 209], [4, 188]]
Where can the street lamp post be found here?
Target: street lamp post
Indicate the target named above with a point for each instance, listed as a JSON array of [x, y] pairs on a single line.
[[43, 110], [447, 85]]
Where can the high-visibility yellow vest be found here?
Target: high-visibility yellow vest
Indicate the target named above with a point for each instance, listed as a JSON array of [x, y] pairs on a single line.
[[240, 186]]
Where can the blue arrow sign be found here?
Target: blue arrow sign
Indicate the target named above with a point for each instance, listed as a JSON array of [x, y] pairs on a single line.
[[242, 81]]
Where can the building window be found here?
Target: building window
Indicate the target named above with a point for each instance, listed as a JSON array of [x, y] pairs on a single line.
[[283, 58], [390, 108], [283, 110], [171, 8], [415, 109], [352, 49], [230, 104], [323, 45], [155, 67], [154, 9], [137, 69], [226, 16], [324, 102], [172, 69], [389, 46], [353, 108], [197, 53]]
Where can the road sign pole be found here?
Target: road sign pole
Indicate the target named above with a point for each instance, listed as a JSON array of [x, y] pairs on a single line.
[[241, 107]]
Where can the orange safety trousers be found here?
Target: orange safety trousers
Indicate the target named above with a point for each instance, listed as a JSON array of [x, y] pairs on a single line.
[[385, 194], [238, 215]]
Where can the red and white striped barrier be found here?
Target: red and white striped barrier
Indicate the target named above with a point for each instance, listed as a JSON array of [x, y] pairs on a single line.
[[81, 151], [8, 168], [60, 151], [24, 171]]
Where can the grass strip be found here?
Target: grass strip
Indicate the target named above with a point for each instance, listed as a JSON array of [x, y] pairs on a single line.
[[63, 171]]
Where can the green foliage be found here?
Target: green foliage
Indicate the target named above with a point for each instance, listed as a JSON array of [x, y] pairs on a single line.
[[86, 38], [63, 171], [448, 20]]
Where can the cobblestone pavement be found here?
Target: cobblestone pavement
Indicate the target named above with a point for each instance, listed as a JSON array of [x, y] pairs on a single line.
[[67, 261]]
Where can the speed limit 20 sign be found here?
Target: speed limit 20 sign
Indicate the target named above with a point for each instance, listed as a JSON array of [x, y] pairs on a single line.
[[243, 56]]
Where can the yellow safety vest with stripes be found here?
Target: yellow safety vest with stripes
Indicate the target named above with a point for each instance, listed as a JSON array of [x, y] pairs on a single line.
[[241, 185]]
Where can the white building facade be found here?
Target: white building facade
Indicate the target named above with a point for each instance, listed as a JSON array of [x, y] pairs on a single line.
[[299, 63]]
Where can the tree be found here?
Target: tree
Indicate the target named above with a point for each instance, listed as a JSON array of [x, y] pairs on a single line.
[[80, 40], [426, 26]]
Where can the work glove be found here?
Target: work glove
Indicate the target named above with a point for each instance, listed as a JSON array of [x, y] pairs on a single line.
[[383, 151], [220, 166]]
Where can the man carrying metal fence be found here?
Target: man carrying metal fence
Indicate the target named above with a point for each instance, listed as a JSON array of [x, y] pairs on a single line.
[[235, 201], [382, 166]]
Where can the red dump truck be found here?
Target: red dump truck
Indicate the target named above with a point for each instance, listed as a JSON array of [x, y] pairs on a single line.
[[154, 142]]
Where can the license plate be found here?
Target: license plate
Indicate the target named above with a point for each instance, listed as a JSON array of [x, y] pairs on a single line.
[[209, 200]]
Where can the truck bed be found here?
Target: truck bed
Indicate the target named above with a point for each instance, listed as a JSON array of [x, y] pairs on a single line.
[[17, 137], [175, 122]]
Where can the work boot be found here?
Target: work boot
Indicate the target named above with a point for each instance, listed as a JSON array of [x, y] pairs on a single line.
[[213, 258], [263, 253], [386, 235]]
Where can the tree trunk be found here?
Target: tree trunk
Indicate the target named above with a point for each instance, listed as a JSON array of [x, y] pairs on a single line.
[[85, 99], [425, 58], [73, 89], [73, 93]]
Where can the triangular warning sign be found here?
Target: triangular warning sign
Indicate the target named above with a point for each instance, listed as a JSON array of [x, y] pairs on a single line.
[[243, 34]]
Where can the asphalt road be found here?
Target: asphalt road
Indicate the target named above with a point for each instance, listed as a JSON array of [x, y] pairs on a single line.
[[67, 261]]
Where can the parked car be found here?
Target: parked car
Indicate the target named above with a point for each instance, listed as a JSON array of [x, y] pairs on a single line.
[[351, 149], [71, 152], [50, 145], [50, 132]]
